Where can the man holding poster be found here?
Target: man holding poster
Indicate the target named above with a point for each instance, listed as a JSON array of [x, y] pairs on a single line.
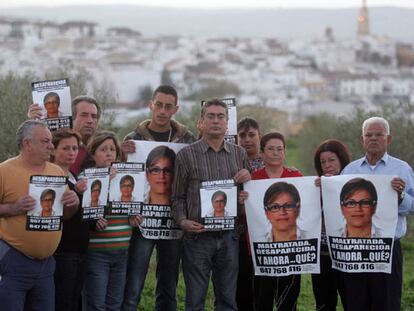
[[161, 127], [381, 291], [208, 253], [26, 260]]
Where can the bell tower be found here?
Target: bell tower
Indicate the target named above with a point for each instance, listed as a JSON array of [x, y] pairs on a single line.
[[363, 20]]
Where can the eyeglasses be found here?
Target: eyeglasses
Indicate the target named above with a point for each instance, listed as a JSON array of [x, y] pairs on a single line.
[[361, 203], [220, 116], [51, 102], [288, 207], [126, 186], [167, 107], [157, 171], [274, 149], [47, 200], [219, 202]]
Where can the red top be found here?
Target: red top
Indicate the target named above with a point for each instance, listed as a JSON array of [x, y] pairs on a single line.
[[287, 172], [261, 174], [76, 166]]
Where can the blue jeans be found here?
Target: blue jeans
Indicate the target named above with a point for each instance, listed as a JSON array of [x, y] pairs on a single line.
[[25, 283], [105, 280], [168, 262], [215, 254], [69, 278]]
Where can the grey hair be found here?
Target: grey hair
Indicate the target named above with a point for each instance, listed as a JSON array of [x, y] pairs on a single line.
[[88, 99], [373, 120], [25, 131]]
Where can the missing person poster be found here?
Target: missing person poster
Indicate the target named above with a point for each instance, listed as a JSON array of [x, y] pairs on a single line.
[[361, 213], [231, 134], [218, 204], [54, 98], [284, 221], [125, 195], [95, 198], [158, 159], [48, 192]]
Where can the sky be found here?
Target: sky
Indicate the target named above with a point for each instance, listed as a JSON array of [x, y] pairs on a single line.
[[216, 3]]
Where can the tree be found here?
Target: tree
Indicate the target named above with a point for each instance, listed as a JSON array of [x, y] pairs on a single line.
[[16, 96], [348, 130]]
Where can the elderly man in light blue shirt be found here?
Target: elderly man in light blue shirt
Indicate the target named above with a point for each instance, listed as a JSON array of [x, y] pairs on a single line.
[[380, 291]]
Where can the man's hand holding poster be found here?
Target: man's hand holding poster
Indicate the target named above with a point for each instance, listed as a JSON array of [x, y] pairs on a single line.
[[95, 198], [158, 159], [284, 221], [48, 192], [360, 214], [54, 98], [218, 204]]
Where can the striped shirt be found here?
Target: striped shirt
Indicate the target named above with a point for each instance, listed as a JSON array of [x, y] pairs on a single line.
[[196, 163], [115, 236]]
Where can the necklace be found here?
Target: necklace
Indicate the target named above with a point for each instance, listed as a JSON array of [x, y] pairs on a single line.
[[169, 135]]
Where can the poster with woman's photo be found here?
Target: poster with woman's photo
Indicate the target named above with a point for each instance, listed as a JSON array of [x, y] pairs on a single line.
[[231, 133], [284, 221], [218, 200], [95, 198], [54, 98], [125, 194], [158, 158], [361, 213], [48, 212]]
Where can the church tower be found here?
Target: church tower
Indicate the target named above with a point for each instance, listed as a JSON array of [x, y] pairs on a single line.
[[363, 20]]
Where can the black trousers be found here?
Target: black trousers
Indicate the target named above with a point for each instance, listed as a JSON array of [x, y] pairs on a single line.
[[376, 291], [282, 292], [244, 294], [327, 285]]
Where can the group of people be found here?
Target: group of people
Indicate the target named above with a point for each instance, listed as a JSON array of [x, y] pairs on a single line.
[[102, 264]]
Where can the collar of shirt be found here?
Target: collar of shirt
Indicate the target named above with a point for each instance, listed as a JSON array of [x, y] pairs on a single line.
[[205, 146], [384, 160]]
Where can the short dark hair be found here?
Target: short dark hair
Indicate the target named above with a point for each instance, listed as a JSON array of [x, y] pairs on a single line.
[[88, 99], [51, 94], [272, 135], [334, 146], [61, 134], [127, 178], [98, 138], [166, 89], [278, 188], [96, 182], [46, 192], [246, 123], [217, 193], [214, 102], [358, 184], [158, 153]]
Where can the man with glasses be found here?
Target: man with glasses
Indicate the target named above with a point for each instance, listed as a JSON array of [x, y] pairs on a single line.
[[358, 204], [208, 253], [161, 127], [381, 291]]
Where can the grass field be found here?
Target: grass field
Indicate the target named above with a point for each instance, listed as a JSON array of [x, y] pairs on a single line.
[[305, 301]]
